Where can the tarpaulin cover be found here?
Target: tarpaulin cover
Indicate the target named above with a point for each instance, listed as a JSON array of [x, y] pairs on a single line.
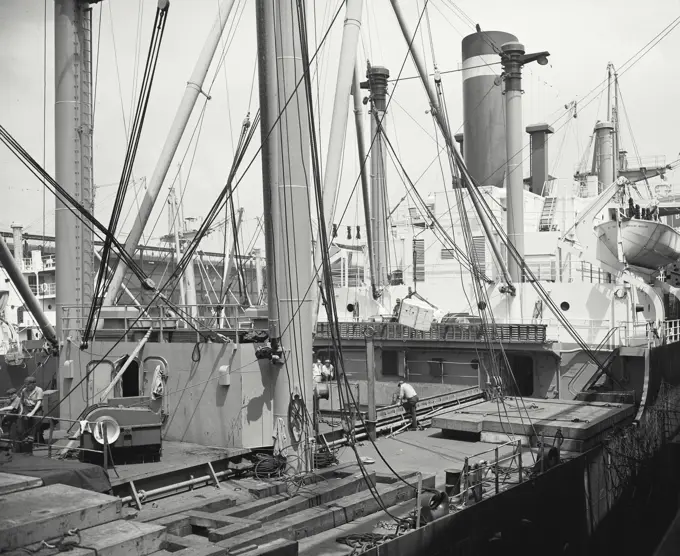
[[53, 471]]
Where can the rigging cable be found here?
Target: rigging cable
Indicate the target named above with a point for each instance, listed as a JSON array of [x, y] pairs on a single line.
[[328, 301], [628, 64], [85, 216], [133, 144]]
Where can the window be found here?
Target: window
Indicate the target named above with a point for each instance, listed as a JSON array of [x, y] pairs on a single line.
[[390, 363], [419, 260], [436, 367]]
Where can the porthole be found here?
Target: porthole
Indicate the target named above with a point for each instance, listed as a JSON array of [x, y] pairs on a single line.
[[564, 305]]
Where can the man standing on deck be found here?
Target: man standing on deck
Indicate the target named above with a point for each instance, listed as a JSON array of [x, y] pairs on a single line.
[[409, 398]]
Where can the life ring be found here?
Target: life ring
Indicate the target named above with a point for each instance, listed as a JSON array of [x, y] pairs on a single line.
[[43, 287]]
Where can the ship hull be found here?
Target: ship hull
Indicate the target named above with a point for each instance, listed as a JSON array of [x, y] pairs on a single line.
[[645, 243]]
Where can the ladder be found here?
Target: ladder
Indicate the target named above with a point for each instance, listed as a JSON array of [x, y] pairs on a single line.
[[546, 224]]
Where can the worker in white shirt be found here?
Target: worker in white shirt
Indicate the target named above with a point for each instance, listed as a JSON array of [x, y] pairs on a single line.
[[327, 370], [409, 398], [316, 370]]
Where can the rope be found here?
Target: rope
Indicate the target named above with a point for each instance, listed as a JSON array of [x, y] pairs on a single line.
[[130, 156], [361, 542]]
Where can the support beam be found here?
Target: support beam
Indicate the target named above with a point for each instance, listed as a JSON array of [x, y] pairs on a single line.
[[31, 301], [125, 288], [370, 371], [105, 395], [230, 262], [257, 253], [193, 90]]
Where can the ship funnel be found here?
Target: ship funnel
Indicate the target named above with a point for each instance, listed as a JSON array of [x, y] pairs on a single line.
[[484, 115], [604, 154]]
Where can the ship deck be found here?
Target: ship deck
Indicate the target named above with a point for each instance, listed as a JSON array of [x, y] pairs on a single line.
[[178, 458], [233, 511], [274, 515]]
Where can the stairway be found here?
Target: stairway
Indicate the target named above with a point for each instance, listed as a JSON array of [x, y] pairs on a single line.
[[546, 223]]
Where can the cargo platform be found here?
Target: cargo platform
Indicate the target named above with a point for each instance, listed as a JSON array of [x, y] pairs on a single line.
[[582, 424]]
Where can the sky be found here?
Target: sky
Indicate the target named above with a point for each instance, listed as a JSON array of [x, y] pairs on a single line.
[[581, 36]]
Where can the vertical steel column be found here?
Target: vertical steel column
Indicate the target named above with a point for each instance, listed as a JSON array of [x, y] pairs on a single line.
[[365, 189], [266, 65], [73, 155], [290, 215], [370, 372], [336, 141], [512, 66], [377, 84]]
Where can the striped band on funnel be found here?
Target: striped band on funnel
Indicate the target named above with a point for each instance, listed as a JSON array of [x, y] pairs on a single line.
[[483, 107]]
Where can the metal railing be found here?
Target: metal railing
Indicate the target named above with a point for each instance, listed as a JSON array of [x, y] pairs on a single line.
[[474, 476], [510, 332], [161, 318], [670, 331], [46, 289], [652, 161]]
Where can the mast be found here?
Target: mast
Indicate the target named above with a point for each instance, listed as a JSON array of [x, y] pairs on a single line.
[[377, 84], [343, 88], [615, 121], [257, 255], [173, 215], [226, 271], [365, 190], [290, 214], [609, 91], [73, 158], [266, 65], [512, 67], [193, 89], [513, 58]]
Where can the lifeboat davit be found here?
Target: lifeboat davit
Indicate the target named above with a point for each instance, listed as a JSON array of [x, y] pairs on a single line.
[[646, 243]]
